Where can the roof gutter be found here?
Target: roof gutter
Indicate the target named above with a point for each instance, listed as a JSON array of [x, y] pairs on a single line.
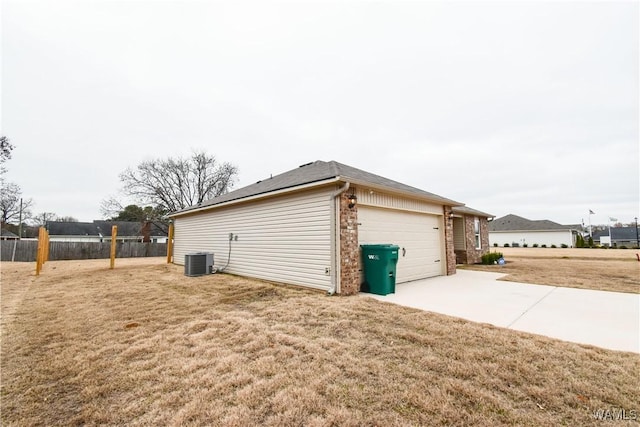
[[255, 197]]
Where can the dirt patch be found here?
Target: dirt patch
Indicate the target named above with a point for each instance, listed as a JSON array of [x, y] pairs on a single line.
[[223, 350], [598, 269]]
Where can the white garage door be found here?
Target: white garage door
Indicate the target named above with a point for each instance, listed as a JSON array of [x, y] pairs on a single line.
[[418, 236]]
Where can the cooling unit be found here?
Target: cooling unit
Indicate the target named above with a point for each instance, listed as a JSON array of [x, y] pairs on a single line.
[[198, 264]]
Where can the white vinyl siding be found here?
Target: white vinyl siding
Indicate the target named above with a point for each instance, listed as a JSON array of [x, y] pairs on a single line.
[[383, 200], [420, 235], [531, 237], [285, 239]]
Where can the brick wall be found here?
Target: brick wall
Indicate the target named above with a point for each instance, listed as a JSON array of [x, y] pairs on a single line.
[[349, 249], [448, 237], [471, 255]]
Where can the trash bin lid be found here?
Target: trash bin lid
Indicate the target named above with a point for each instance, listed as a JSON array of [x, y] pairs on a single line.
[[381, 246]]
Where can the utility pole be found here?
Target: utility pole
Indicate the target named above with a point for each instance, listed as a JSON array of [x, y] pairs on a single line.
[[637, 238]]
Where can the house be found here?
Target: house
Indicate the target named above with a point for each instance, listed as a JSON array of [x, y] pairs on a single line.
[[470, 234], [7, 235], [514, 230], [100, 231], [305, 227], [620, 236]]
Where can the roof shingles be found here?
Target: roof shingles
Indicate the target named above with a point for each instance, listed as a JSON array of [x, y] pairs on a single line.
[[517, 223], [318, 171]]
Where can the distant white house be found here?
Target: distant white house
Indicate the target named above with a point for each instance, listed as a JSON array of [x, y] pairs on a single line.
[[518, 231]]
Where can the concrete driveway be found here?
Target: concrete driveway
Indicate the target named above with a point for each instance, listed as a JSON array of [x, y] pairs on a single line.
[[604, 319]]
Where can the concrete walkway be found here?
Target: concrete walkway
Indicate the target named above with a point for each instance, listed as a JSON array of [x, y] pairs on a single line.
[[604, 319]]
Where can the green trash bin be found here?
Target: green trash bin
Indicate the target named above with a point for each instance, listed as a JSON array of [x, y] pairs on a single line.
[[379, 264]]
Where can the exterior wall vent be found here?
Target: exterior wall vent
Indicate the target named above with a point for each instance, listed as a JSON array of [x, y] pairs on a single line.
[[198, 264]]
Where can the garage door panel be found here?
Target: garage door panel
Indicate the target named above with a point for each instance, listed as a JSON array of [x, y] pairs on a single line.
[[418, 234]]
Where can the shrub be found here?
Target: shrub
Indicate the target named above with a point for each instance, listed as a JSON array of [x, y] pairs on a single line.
[[590, 242], [553, 246], [543, 246], [495, 245], [535, 245], [506, 245], [491, 258], [524, 245], [623, 247], [564, 245]]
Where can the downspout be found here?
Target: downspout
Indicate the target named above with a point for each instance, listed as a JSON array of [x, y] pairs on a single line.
[[335, 244]]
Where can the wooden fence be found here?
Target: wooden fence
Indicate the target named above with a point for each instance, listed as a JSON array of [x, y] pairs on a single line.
[[26, 250]]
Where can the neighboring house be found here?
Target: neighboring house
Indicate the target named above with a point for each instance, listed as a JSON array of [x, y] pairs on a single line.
[[100, 231], [517, 231], [470, 234], [7, 235], [305, 227], [620, 236]]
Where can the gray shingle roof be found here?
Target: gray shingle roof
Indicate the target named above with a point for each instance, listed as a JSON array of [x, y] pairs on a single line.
[[517, 223], [95, 228], [469, 211], [7, 234], [617, 233], [316, 172]]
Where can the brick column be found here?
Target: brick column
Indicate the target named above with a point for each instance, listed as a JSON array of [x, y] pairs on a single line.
[[349, 249], [448, 241], [484, 236]]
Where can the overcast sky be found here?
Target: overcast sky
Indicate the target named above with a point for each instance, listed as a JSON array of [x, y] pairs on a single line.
[[528, 108]]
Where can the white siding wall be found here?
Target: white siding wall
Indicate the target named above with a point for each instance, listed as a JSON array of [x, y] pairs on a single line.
[[285, 239], [530, 237], [382, 200]]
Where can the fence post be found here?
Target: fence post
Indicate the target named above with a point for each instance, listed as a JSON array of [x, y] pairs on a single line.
[[40, 251], [170, 244], [46, 246], [114, 234]]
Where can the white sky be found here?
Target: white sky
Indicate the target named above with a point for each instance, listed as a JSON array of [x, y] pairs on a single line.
[[528, 108]]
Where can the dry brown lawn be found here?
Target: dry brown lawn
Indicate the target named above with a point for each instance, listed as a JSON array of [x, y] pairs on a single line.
[[145, 345], [616, 270]]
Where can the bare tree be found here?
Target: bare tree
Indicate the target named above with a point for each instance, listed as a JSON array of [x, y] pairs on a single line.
[[67, 218], [5, 149], [5, 154], [42, 218], [177, 183], [10, 195], [110, 207]]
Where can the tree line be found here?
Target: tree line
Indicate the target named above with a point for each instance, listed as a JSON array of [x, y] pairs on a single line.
[[156, 187]]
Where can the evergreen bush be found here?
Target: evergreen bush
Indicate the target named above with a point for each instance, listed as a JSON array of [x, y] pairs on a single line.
[[491, 258]]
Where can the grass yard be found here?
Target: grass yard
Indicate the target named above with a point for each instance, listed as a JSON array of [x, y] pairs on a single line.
[[145, 345], [616, 270]]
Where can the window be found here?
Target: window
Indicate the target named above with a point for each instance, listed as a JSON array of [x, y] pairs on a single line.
[[476, 232]]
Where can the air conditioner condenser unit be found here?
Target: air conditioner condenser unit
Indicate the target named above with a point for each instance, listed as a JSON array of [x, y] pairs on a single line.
[[198, 264]]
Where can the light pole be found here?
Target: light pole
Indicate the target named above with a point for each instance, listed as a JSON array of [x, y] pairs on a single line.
[[637, 238]]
